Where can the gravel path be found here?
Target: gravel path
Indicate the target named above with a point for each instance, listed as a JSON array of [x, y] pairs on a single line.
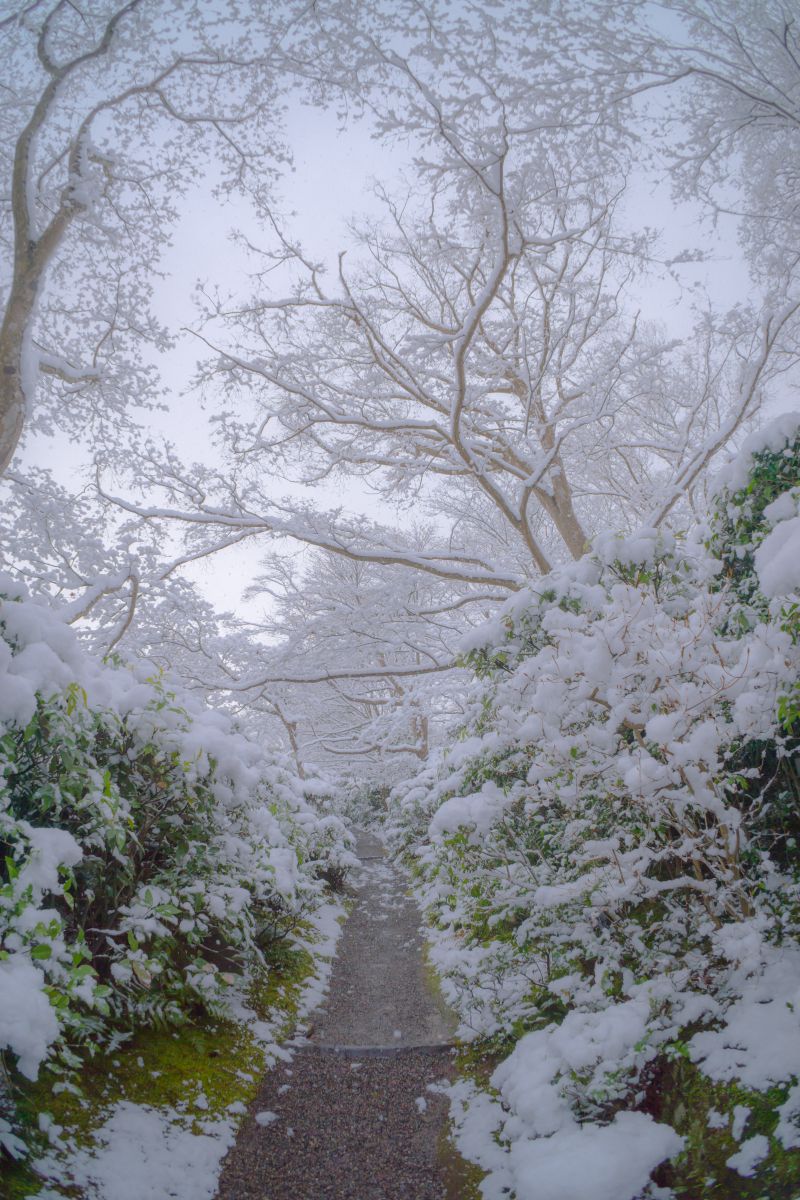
[[352, 1117], [378, 994]]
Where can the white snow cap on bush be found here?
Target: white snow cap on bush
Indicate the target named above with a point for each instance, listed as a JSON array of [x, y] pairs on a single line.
[[51, 850], [28, 1022], [777, 559], [774, 437], [604, 1162]]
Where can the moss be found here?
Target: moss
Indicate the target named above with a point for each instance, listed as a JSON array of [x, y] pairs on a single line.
[[280, 988], [434, 988], [462, 1179], [683, 1097], [161, 1068], [219, 1059]]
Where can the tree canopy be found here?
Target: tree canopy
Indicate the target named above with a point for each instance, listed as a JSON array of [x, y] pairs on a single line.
[[486, 360]]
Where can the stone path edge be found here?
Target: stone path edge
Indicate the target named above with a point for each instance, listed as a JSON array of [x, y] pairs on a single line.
[[378, 1051]]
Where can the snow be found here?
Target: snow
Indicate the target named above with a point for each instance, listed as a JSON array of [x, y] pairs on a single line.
[[782, 509], [759, 1042], [777, 559], [17, 700], [593, 774], [751, 1153], [266, 1118], [28, 1023], [610, 1162], [788, 1127], [637, 549], [326, 922], [479, 810], [741, 1114], [265, 845], [550, 1154], [144, 1153], [772, 436], [579, 1162], [50, 850], [617, 695]]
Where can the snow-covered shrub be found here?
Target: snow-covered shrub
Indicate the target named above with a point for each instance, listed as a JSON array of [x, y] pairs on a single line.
[[362, 803], [150, 851], [756, 534], [609, 851], [756, 530]]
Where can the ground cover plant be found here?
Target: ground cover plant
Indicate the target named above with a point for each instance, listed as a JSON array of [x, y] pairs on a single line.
[[609, 857]]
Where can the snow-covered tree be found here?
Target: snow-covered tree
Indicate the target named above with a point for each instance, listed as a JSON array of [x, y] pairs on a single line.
[[484, 356], [109, 110], [358, 660], [730, 72]]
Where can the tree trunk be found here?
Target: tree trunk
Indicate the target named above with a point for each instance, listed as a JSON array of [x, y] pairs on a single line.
[[14, 338]]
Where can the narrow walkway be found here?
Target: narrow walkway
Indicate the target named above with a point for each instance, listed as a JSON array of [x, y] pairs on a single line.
[[351, 1117]]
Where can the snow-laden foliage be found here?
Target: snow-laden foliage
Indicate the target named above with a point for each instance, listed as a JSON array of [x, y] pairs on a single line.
[[609, 851], [152, 853]]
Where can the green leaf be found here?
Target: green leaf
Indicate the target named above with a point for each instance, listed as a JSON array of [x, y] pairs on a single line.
[[42, 951]]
